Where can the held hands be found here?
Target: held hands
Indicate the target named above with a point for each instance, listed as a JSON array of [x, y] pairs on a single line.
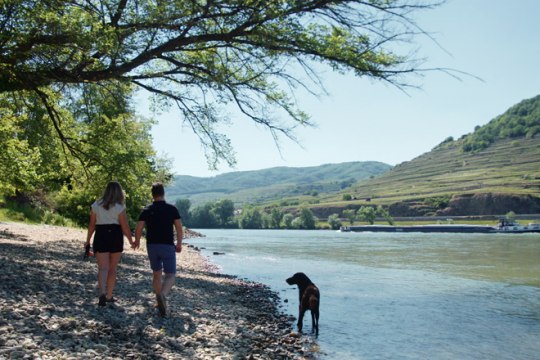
[[135, 244]]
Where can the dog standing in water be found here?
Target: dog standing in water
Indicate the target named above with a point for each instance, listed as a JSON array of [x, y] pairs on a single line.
[[309, 300]]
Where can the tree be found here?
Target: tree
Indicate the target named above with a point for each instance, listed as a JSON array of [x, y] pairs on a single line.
[[305, 220], [251, 218], [349, 214], [275, 218], [367, 214], [112, 144], [385, 214], [183, 206], [266, 221], [223, 211], [202, 217], [201, 55], [334, 221], [287, 221]]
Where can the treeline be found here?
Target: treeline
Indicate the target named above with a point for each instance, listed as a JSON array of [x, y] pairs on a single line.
[[222, 214]]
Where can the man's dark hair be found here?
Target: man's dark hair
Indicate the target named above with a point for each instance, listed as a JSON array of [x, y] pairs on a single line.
[[158, 189]]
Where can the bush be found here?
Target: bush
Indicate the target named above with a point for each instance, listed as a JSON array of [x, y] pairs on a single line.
[[334, 221]]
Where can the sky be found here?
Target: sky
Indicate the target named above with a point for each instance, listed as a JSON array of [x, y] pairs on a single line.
[[497, 41]]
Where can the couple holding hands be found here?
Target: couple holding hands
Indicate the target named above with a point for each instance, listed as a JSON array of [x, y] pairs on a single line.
[[109, 222]]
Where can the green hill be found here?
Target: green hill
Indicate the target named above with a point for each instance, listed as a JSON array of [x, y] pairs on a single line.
[[259, 186], [498, 164], [493, 170]]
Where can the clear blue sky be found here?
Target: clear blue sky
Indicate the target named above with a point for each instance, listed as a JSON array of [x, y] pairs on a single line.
[[362, 120]]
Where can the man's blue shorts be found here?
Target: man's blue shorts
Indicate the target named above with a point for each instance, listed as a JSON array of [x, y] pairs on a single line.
[[162, 256]]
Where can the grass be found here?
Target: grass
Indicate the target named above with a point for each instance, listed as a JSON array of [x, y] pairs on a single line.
[[16, 212]]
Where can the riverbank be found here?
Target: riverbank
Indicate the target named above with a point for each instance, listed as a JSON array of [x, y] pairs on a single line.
[[48, 302]]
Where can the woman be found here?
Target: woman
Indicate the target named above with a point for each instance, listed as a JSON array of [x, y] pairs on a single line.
[[108, 220]]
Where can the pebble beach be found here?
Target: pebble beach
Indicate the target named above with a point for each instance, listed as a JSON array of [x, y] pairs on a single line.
[[48, 306]]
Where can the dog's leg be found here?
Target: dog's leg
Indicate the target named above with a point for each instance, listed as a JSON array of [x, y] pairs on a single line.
[[300, 319], [315, 320]]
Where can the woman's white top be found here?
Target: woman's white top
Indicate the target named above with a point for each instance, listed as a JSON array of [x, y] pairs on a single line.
[[104, 216]]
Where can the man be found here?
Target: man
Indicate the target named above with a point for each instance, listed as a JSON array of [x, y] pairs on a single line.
[[159, 219]]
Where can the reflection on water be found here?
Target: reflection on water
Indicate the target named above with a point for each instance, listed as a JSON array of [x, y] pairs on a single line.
[[401, 296]]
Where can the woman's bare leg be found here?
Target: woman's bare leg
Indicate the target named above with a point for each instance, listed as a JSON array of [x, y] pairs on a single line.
[[114, 259], [103, 270]]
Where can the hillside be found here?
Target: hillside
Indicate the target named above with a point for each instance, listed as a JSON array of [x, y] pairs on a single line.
[[271, 184], [496, 168], [491, 171]]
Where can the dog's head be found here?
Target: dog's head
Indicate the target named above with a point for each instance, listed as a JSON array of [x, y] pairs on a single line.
[[299, 279]]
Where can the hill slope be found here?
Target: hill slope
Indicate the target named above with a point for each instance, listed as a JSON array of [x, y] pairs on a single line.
[[498, 162], [272, 184]]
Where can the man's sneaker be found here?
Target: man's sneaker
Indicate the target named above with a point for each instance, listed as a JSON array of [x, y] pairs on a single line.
[[102, 300]]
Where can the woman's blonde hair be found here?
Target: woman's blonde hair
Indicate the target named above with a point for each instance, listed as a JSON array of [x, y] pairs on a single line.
[[113, 195]]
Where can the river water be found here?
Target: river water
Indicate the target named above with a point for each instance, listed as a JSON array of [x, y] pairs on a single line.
[[400, 296]]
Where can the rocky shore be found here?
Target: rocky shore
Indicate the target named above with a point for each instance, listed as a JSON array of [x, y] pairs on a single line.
[[48, 305]]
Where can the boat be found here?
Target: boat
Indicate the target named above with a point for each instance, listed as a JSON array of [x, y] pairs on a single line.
[[513, 227], [504, 226], [434, 228]]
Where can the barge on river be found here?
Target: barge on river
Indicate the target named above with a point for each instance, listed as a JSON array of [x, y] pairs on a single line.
[[504, 226]]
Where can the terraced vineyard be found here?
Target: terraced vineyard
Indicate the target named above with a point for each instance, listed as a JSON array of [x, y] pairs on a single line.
[[509, 166]]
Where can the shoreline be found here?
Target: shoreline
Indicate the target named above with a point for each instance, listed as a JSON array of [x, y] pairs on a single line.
[[48, 301]]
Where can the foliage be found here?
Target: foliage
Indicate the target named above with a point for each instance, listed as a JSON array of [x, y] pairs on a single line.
[[521, 120], [12, 210], [219, 214], [29, 156], [199, 56], [287, 221], [334, 221], [346, 197], [367, 214], [73, 144], [510, 216], [438, 202], [183, 206], [223, 211], [202, 217], [251, 218], [381, 211], [349, 214], [276, 215], [305, 220], [449, 141]]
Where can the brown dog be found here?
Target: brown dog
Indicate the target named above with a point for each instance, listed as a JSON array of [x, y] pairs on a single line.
[[309, 300]]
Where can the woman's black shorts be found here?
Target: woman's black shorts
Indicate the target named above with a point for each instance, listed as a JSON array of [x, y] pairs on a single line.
[[108, 238]]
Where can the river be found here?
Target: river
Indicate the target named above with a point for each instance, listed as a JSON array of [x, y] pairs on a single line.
[[400, 296]]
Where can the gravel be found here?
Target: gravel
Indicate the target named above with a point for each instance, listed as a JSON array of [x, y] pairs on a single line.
[[48, 304]]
